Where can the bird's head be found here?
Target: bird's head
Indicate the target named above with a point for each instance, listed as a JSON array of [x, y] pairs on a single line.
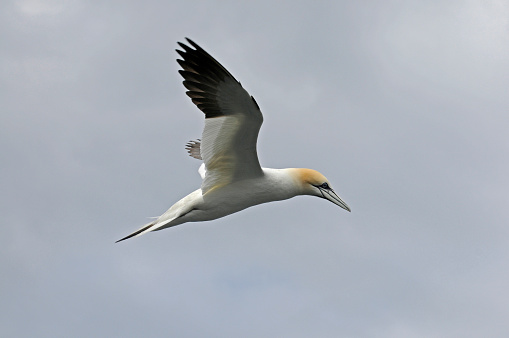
[[314, 183]]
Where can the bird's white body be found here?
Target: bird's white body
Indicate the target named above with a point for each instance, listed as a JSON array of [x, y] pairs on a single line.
[[233, 179], [274, 185]]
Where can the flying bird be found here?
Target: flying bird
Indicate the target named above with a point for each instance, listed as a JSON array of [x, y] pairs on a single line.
[[233, 179]]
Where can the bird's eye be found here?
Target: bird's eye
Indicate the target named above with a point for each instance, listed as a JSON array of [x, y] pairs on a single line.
[[325, 185]]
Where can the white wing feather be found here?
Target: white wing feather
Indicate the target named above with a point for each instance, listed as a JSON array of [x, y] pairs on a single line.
[[202, 171]]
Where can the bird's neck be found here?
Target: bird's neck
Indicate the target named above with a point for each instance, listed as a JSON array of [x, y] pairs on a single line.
[[284, 181]]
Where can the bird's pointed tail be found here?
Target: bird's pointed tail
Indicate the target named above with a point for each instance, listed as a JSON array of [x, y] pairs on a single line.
[[144, 228], [152, 226]]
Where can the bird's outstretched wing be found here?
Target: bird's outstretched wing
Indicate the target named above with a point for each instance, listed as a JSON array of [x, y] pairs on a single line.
[[232, 118]]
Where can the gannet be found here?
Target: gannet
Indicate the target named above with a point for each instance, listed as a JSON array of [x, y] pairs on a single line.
[[233, 179]]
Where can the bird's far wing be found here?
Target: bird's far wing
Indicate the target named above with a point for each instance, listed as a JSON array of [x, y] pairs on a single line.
[[193, 148], [232, 118]]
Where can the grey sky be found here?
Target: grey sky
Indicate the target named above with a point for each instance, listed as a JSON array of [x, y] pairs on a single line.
[[402, 105]]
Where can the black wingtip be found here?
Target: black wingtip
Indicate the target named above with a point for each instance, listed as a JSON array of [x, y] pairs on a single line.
[[194, 44], [191, 42]]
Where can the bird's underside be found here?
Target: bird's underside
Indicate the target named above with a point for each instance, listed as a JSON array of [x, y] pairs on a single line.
[[232, 176]]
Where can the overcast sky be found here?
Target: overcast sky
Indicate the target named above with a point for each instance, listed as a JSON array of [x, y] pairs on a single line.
[[403, 105]]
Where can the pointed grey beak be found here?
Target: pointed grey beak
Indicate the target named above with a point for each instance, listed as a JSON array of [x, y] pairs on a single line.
[[330, 195]]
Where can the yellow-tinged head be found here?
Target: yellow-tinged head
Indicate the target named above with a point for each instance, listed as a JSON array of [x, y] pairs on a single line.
[[314, 183], [310, 176]]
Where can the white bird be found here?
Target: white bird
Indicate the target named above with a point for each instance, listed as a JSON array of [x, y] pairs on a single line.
[[233, 179]]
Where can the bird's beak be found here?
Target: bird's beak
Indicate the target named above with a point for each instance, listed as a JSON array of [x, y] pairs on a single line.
[[331, 196]]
